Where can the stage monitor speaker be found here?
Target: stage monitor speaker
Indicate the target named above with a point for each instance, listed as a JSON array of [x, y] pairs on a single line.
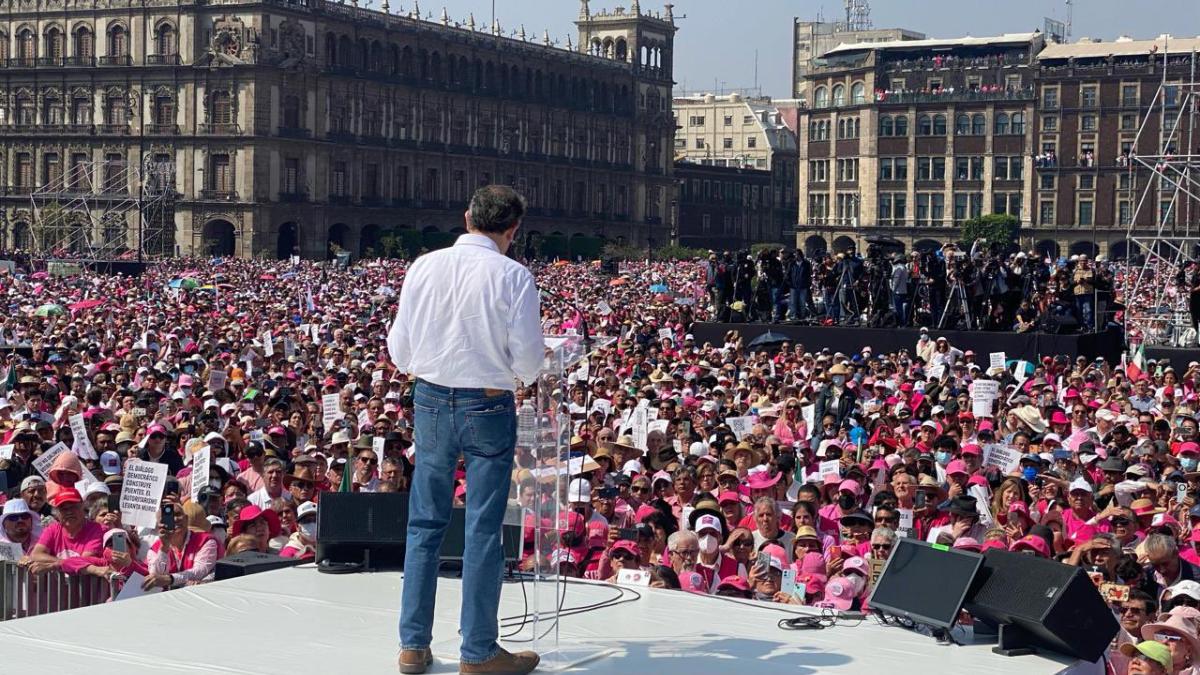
[[914, 569], [251, 562], [1041, 603], [366, 528], [371, 528]]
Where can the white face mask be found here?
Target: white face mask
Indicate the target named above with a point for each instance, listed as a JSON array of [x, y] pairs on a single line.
[[708, 544], [309, 529]]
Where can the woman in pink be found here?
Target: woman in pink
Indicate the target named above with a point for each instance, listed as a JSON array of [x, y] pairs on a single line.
[[182, 556], [791, 427], [73, 543]]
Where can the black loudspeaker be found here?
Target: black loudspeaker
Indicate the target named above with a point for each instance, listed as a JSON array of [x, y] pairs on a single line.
[[371, 529], [366, 528], [251, 562], [1037, 602]]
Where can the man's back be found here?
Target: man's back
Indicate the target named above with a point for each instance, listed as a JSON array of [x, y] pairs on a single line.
[[465, 318]]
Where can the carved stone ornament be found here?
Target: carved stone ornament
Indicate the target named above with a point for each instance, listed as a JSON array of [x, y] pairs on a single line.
[[226, 40]]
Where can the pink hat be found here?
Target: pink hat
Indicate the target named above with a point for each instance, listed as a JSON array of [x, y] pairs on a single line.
[[156, 429], [995, 543], [850, 486], [967, 544], [643, 511], [971, 449], [986, 425], [778, 555], [1021, 508], [692, 582], [1031, 542], [1059, 417], [856, 564], [956, 466], [185, 380], [1189, 447], [625, 545], [760, 480], [727, 496], [811, 563], [832, 479], [839, 593], [734, 581], [1071, 393]]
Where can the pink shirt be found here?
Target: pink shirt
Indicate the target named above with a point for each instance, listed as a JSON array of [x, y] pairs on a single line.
[[88, 543]]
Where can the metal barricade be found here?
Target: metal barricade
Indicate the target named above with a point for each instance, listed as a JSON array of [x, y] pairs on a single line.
[[24, 594]]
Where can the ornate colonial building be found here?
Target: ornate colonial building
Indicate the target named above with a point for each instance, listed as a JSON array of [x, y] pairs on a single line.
[[294, 126]]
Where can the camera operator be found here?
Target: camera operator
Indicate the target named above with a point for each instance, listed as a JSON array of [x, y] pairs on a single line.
[[932, 275], [828, 278], [1084, 280], [770, 281], [1105, 285], [899, 284], [849, 270], [743, 279], [800, 280], [717, 281]]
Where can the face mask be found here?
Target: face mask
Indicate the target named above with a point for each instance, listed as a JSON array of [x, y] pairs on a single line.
[[215, 484], [309, 529], [839, 380], [846, 501], [708, 544], [943, 458], [1188, 464]]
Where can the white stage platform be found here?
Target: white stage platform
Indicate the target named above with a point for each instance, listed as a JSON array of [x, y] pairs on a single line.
[[297, 620]]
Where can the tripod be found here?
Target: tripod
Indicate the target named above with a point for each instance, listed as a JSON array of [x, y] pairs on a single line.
[[848, 307], [957, 290]]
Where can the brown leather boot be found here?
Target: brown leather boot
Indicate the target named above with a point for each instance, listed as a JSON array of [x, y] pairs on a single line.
[[503, 663], [415, 661]]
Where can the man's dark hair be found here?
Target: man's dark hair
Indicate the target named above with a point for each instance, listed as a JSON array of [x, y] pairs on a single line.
[[496, 208]]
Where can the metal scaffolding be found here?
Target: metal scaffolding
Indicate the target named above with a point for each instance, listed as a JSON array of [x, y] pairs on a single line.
[[106, 210], [1156, 307]]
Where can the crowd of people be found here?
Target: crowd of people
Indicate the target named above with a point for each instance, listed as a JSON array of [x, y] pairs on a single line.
[[980, 289], [803, 459]]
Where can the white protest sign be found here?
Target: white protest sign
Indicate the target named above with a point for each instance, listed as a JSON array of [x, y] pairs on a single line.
[[6, 451], [11, 551], [603, 405], [664, 334], [633, 577], [740, 426], [289, 348], [216, 380], [996, 360], [639, 422], [809, 413], [1020, 371], [377, 443], [603, 308], [142, 491], [651, 413], [43, 463], [657, 425], [133, 588], [981, 407], [1005, 459], [82, 445], [832, 467], [936, 370], [906, 522], [201, 465], [268, 341], [985, 390], [376, 376], [316, 332], [331, 410]]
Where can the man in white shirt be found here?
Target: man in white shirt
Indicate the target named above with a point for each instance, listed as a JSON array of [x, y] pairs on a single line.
[[467, 328]]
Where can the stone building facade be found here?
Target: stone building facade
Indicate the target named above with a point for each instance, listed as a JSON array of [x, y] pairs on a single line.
[[300, 126]]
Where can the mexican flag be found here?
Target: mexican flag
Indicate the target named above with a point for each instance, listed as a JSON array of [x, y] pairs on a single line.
[[1135, 368]]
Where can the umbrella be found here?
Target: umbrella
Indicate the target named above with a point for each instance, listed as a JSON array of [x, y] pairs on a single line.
[[619, 281], [85, 304], [266, 277], [39, 275], [660, 288], [186, 283], [769, 339], [49, 310], [663, 298]]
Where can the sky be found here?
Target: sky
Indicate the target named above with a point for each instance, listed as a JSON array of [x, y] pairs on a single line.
[[718, 42]]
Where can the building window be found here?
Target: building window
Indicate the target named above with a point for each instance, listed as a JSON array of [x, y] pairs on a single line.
[[55, 44], [818, 209], [291, 176], [1129, 95], [220, 174], [924, 125], [978, 124], [1124, 212], [1046, 181], [1086, 209], [1050, 98], [696, 121], [729, 120], [1129, 122], [858, 93], [338, 184], [931, 168], [847, 208], [85, 43], [221, 111], [727, 143], [839, 95], [752, 142], [1046, 213], [939, 125], [1171, 95], [1087, 181], [962, 124], [1089, 96], [1018, 124], [1050, 123], [901, 125], [1087, 122], [1001, 124], [847, 170], [118, 41], [821, 98], [164, 110], [165, 41], [886, 127], [818, 170], [51, 169]]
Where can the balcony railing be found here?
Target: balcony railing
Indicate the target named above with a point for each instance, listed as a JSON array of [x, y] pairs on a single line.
[[22, 62], [293, 197], [221, 129], [24, 594], [339, 199], [114, 129], [219, 195], [116, 60], [294, 132], [945, 96], [341, 136], [172, 129], [162, 59], [80, 61], [49, 61]]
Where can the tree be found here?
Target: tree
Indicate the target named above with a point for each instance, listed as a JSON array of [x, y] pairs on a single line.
[[677, 252], [996, 229]]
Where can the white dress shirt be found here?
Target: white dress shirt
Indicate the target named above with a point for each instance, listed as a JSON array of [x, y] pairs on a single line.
[[469, 318]]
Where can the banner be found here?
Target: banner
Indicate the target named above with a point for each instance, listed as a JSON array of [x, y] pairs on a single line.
[[639, 423], [142, 491], [216, 380], [268, 341], [985, 389], [43, 463], [330, 409]]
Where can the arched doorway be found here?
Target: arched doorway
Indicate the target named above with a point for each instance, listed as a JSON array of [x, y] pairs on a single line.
[[289, 240], [21, 236], [1084, 248], [220, 238], [339, 233], [842, 244], [815, 246], [1048, 248], [1118, 250], [369, 245]]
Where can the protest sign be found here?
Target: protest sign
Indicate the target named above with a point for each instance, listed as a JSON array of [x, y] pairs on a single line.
[[906, 522], [11, 551], [830, 467], [289, 348], [657, 425], [377, 443], [809, 413], [82, 445], [268, 344], [331, 409], [664, 334], [6, 451], [633, 577], [376, 376], [981, 407], [640, 426], [936, 371], [141, 493], [740, 426], [996, 360], [216, 380], [603, 405], [603, 308], [43, 463], [1005, 459], [201, 465], [133, 588], [985, 390], [651, 414]]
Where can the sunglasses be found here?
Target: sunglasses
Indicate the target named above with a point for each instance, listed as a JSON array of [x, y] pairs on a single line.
[[1132, 609], [1166, 637], [369, 459], [744, 543], [640, 488], [303, 484], [881, 547], [622, 555]]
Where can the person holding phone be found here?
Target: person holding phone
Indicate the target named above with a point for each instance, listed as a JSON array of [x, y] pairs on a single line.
[[182, 556]]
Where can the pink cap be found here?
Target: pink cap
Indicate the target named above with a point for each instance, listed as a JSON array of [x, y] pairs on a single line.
[[856, 564], [734, 581], [156, 429], [1059, 417], [1189, 447], [972, 449], [832, 479], [692, 582], [967, 544], [1031, 542], [839, 594], [850, 486], [956, 466], [728, 496], [185, 380]]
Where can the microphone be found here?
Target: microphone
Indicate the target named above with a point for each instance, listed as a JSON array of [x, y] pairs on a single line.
[[552, 295]]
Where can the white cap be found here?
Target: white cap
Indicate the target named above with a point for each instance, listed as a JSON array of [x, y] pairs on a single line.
[[631, 467], [31, 481], [214, 436], [211, 403], [698, 449], [1185, 587], [1106, 415], [580, 491], [340, 437], [708, 521], [306, 509], [1052, 437], [15, 507], [96, 488], [227, 464], [1081, 485], [110, 463], [216, 521]]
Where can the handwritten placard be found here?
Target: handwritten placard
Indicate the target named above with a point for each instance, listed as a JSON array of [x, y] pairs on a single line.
[[1003, 458], [740, 426], [142, 491], [996, 360]]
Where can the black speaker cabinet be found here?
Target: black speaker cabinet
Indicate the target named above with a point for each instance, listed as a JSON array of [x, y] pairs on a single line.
[[251, 562]]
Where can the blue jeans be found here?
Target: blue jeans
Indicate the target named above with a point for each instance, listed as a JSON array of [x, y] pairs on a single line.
[[448, 422], [1083, 304], [900, 304]]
